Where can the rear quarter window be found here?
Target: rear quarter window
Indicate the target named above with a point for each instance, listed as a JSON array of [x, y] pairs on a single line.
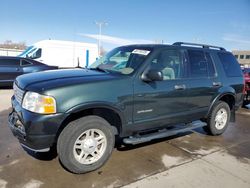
[[230, 64]]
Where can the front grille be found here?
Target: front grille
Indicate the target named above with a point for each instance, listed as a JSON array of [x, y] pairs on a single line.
[[18, 93]]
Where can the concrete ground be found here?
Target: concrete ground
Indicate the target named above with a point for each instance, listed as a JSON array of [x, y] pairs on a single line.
[[191, 160]]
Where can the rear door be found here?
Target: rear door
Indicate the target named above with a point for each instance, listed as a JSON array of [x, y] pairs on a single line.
[[202, 82], [9, 69]]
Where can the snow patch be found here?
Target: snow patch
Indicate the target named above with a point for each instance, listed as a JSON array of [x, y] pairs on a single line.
[[14, 162], [3, 183], [33, 184], [170, 161], [142, 176], [114, 184], [186, 141]]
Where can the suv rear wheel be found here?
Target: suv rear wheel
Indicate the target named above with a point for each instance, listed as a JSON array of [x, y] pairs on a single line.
[[218, 119], [85, 144]]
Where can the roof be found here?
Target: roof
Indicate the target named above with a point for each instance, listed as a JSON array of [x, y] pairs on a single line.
[[19, 58], [11, 57], [182, 45]]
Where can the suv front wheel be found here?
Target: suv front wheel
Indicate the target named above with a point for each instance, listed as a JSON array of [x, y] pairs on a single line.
[[218, 118], [85, 144]]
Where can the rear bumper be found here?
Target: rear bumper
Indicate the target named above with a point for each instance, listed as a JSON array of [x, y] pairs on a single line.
[[34, 131]]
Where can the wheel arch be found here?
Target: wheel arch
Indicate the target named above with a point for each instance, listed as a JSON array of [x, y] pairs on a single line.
[[108, 112], [229, 98]]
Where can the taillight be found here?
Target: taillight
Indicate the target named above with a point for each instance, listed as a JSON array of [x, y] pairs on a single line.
[[244, 87]]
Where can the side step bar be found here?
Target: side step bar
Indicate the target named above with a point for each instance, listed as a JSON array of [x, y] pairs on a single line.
[[163, 133]]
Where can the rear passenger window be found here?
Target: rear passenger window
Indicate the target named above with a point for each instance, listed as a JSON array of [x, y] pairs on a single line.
[[200, 64], [230, 64]]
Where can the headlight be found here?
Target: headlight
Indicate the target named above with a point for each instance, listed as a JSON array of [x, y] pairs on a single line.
[[42, 104]]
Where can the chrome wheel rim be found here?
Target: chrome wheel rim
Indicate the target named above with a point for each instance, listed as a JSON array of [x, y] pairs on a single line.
[[221, 119], [90, 146]]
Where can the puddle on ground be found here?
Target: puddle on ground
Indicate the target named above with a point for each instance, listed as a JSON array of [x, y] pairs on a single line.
[[241, 152], [202, 151]]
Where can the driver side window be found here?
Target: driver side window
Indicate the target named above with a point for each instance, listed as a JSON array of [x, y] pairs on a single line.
[[169, 62]]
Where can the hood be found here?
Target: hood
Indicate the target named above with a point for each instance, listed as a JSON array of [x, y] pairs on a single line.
[[58, 78]]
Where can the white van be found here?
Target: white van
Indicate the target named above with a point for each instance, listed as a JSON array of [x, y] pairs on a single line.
[[62, 53]]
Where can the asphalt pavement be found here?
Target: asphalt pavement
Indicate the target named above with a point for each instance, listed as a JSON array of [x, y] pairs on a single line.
[[194, 159]]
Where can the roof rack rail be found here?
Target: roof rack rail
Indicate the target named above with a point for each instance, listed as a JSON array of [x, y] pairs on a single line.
[[195, 44]]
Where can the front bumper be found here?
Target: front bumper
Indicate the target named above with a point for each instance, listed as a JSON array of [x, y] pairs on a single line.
[[36, 132]]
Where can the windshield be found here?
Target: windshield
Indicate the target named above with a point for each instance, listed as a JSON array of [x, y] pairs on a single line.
[[25, 52], [124, 60]]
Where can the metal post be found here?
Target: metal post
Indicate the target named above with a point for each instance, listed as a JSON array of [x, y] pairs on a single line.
[[87, 58], [100, 24]]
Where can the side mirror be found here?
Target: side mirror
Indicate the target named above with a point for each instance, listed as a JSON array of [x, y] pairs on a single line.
[[152, 75]]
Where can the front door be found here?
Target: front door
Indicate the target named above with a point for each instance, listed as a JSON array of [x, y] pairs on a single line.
[[159, 103]]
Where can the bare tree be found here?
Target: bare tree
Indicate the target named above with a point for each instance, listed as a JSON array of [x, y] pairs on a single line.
[[13, 45], [102, 51]]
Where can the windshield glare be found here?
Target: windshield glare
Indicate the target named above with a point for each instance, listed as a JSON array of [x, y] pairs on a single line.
[[124, 60], [26, 52]]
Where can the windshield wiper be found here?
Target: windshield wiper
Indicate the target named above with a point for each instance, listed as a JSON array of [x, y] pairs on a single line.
[[99, 69]]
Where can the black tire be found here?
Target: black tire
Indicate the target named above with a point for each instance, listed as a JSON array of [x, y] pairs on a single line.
[[211, 124], [72, 132]]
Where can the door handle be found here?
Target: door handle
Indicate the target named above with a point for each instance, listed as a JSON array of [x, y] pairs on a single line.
[[216, 84], [140, 95], [17, 69], [180, 87]]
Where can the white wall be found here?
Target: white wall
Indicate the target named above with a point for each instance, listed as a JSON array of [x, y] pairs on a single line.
[[9, 52]]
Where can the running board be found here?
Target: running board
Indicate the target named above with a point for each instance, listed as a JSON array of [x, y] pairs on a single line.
[[163, 133]]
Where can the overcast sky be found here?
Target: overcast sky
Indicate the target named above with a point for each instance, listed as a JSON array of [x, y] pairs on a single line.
[[219, 22]]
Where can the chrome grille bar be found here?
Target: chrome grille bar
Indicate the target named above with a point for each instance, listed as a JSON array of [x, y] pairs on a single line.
[[18, 93]]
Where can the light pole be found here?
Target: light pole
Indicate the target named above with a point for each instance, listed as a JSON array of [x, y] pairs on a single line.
[[100, 24]]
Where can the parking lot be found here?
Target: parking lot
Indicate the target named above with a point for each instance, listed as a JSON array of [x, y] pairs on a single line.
[[190, 160]]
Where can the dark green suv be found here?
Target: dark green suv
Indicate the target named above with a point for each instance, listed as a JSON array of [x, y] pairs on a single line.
[[137, 93]]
